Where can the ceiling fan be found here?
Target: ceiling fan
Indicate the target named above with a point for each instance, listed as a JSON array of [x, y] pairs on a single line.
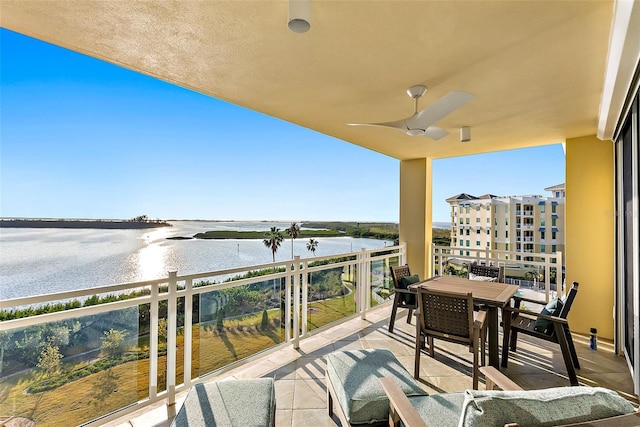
[[421, 123]]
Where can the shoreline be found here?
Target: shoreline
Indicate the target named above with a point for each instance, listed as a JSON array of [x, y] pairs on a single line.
[[94, 224]]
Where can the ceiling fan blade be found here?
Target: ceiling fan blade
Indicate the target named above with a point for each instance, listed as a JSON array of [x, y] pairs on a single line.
[[398, 124], [439, 109], [435, 132]]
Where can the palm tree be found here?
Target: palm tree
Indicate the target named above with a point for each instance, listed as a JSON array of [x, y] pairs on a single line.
[[312, 245], [273, 240], [293, 232]]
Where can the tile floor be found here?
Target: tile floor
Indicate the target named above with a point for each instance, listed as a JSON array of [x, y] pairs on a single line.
[[300, 374]]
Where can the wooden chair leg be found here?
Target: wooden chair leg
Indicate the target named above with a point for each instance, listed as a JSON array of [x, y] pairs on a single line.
[[432, 350], [483, 346], [409, 315], [475, 364], [419, 345], [572, 348], [513, 340], [394, 310], [566, 353]]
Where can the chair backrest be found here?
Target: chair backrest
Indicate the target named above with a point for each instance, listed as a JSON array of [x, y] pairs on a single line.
[[446, 315], [566, 306], [487, 271], [397, 273]]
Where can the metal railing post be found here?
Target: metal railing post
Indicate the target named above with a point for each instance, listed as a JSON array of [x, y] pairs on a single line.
[[153, 343], [188, 332], [366, 284], [287, 305], [296, 301], [560, 284], [172, 330], [305, 295]]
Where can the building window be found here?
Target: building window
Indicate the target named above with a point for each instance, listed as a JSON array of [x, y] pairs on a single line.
[[467, 232], [468, 243], [467, 221], [461, 253], [467, 253], [557, 194], [477, 242], [553, 249], [553, 207], [542, 223], [488, 232], [542, 209], [506, 247], [553, 222], [478, 231], [553, 235], [488, 220], [488, 245], [467, 209], [506, 234], [477, 220], [542, 235], [496, 234], [542, 248], [477, 208]]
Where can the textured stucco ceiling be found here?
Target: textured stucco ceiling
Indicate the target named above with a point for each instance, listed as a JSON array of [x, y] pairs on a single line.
[[535, 67]]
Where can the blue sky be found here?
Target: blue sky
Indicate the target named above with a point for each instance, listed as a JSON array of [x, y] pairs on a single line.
[[81, 138]]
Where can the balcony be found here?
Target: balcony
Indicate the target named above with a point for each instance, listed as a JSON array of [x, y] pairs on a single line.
[[300, 373], [125, 361]]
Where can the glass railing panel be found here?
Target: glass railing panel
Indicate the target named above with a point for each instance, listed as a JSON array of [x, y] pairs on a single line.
[[331, 295], [381, 284], [72, 371], [235, 323]]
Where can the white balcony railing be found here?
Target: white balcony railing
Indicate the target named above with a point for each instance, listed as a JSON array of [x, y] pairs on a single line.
[[158, 337], [538, 276]]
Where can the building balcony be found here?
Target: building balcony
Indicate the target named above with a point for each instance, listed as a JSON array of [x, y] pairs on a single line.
[[131, 359]]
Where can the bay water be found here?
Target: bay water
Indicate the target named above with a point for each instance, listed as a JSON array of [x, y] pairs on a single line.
[[36, 261]]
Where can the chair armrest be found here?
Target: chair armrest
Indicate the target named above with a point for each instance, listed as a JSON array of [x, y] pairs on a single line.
[[399, 406], [554, 319], [495, 378], [480, 319]]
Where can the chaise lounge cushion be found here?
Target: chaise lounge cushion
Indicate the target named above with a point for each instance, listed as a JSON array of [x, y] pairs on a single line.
[[229, 403], [355, 377], [441, 410], [541, 408]]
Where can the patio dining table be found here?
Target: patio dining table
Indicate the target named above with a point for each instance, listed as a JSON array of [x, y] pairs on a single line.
[[490, 294]]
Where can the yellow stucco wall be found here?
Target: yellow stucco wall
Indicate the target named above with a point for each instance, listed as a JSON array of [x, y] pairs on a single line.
[[590, 234], [415, 213]]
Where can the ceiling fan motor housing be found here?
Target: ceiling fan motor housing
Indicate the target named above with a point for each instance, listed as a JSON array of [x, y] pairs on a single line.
[[416, 91]]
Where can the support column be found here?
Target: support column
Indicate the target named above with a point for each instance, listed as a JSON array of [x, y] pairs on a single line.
[[590, 233], [415, 214]]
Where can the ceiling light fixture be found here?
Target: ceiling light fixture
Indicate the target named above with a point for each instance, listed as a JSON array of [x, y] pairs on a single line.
[[465, 134], [299, 15]]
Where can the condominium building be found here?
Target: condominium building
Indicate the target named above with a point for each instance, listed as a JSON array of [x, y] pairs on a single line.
[[520, 224]]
